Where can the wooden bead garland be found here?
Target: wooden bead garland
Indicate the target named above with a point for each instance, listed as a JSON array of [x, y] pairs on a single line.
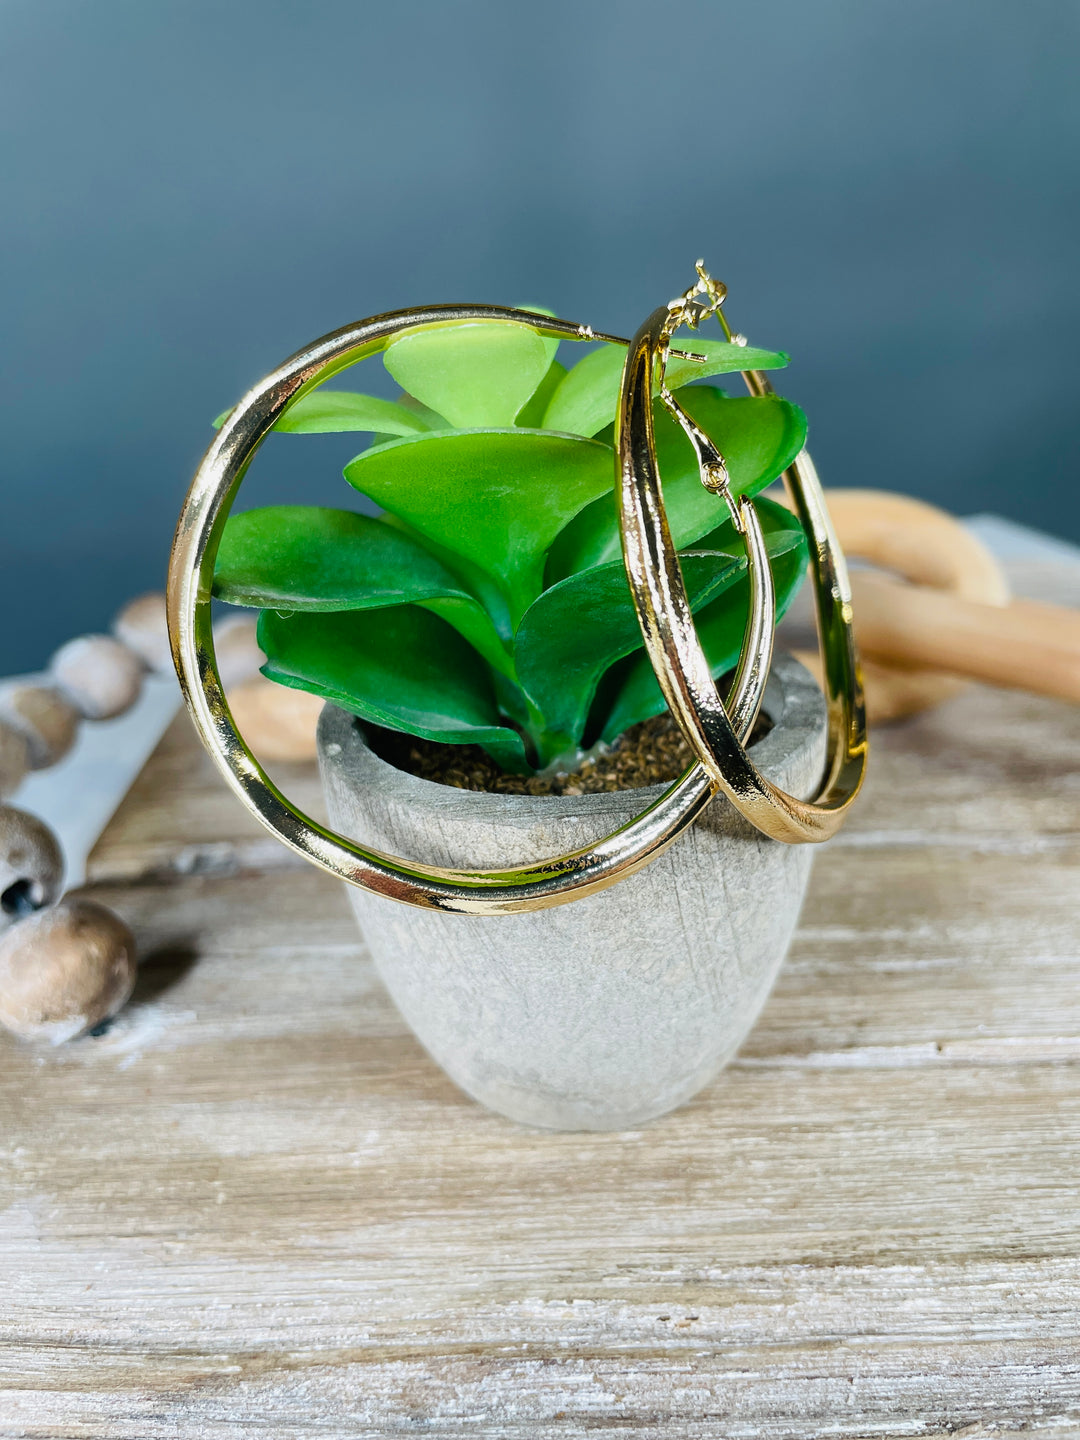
[[279, 723], [100, 676], [142, 626], [46, 719], [31, 865], [65, 967], [236, 649], [14, 759], [64, 970]]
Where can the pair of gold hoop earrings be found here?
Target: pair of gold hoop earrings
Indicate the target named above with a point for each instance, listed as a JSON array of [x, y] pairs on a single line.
[[716, 730]]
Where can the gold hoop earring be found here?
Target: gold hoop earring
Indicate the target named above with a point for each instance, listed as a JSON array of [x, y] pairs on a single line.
[[191, 572], [667, 625]]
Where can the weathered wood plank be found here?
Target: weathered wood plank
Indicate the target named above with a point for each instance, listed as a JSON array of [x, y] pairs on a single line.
[[179, 819], [255, 1204]]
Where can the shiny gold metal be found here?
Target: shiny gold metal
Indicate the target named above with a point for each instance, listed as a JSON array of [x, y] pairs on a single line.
[[656, 583], [191, 572]]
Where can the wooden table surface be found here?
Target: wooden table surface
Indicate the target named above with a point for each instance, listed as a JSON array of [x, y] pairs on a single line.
[[255, 1206]]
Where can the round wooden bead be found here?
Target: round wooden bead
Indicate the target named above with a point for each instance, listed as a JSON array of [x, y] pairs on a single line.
[[237, 650], [277, 722], [31, 865], [65, 970], [43, 715], [99, 675], [141, 626], [14, 759]]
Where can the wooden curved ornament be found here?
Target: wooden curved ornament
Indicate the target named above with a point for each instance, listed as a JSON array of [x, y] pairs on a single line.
[[948, 619]]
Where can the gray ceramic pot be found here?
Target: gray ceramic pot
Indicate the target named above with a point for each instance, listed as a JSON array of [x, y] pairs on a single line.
[[609, 1011]]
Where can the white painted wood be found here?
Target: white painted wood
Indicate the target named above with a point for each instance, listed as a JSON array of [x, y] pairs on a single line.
[[78, 796]]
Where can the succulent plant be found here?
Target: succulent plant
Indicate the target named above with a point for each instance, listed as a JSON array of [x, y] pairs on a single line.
[[487, 603]]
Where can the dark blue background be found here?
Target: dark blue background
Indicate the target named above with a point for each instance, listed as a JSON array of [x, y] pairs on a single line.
[[193, 190]]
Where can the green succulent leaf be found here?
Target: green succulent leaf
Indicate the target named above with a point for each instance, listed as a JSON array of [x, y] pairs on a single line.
[[588, 396], [531, 415], [721, 622], [576, 630], [551, 343], [759, 438], [327, 412], [324, 412], [476, 373], [494, 471], [305, 557], [497, 498], [476, 581], [430, 421], [403, 668]]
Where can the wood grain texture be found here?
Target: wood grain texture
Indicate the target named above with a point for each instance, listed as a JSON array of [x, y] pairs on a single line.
[[180, 820], [254, 1206]]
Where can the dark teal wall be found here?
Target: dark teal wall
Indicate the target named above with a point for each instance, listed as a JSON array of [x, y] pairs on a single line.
[[191, 190]]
